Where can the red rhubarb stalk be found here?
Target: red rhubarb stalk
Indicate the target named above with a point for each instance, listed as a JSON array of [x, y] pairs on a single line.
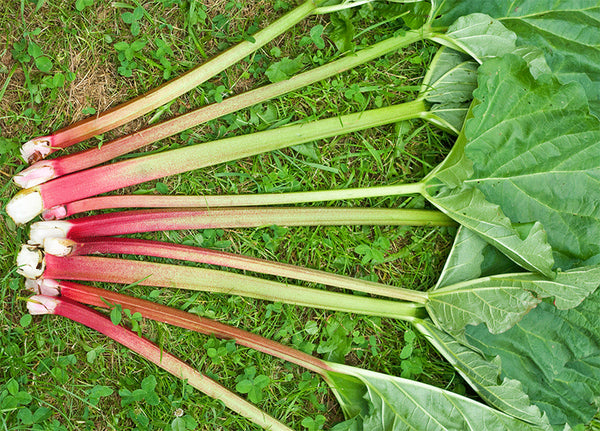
[[136, 221], [124, 271], [40, 147], [28, 203], [140, 247], [39, 304], [211, 201], [161, 313], [46, 170]]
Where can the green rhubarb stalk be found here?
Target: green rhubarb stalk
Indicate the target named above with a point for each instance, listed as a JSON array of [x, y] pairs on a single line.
[[39, 304], [45, 170], [40, 147], [124, 271], [139, 247], [28, 203]]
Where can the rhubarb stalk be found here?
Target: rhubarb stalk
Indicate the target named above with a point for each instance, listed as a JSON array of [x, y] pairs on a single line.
[[140, 247], [39, 304], [124, 271], [39, 148], [102, 298], [136, 221], [214, 201], [25, 204], [46, 170]]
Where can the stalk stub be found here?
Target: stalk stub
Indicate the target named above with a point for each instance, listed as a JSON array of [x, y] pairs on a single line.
[[58, 246], [30, 262], [42, 230], [25, 205], [40, 304], [36, 174], [43, 286], [36, 149], [55, 213]]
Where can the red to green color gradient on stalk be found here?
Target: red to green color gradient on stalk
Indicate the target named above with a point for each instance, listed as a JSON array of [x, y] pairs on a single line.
[[161, 313], [154, 220], [40, 147], [223, 201], [46, 170], [141, 247], [28, 203], [125, 271], [39, 304]]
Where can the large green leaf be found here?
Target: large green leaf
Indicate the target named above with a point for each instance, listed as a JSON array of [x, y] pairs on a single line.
[[536, 152], [556, 356], [448, 86], [526, 165], [483, 375], [378, 402], [451, 77], [567, 31], [500, 301]]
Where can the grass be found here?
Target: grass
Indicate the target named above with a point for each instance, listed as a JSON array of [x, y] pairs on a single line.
[[62, 61]]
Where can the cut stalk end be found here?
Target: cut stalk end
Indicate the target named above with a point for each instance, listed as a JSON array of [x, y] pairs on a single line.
[[35, 174], [58, 246], [42, 230], [30, 262], [55, 213], [25, 205], [40, 304], [36, 149], [43, 286]]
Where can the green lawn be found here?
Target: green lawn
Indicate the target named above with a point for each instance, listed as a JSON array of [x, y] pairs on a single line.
[[62, 61]]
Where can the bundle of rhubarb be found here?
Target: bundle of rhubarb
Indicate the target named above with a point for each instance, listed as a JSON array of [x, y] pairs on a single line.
[[513, 312]]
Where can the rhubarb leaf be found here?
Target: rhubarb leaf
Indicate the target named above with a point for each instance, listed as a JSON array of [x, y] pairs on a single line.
[[536, 152], [451, 77], [377, 401], [448, 86], [555, 354], [500, 301], [525, 166], [478, 35], [483, 376], [566, 31], [470, 258]]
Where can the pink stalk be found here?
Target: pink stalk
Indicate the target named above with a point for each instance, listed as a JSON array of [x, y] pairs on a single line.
[[211, 201], [132, 246], [40, 147], [161, 313], [46, 170], [28, 203], [40, 304], [124, 271], [128, 222]]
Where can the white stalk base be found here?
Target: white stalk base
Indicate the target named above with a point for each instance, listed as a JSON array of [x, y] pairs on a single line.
[[40, 304], [35, 174], [42, 230], [36, 149], [60, 247], [43, 286], [30, 262], [25, 205]]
